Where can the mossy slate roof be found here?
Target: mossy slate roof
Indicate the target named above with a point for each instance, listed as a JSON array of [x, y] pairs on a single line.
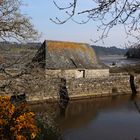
[[66, 55]]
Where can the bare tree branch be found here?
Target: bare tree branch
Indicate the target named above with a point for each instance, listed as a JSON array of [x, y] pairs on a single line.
[[108, 13], [13, 24]]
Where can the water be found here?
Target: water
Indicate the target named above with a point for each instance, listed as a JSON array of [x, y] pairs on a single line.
[[119, 60], [101, 119]]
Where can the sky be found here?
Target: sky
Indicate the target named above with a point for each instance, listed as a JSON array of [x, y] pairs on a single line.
[[40, 12]]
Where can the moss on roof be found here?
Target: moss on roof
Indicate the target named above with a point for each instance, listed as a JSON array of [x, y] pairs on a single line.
[[67, 55], [52, 45]]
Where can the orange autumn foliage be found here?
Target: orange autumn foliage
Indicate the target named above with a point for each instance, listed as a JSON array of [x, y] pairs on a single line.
[[60, 45], [16, 121]]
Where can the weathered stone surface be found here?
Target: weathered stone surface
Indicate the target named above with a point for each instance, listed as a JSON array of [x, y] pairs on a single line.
[[78, 73], [66, 55], [87, 87]]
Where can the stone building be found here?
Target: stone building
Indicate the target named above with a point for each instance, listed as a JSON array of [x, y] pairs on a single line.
[[69, 60], [76, 67]]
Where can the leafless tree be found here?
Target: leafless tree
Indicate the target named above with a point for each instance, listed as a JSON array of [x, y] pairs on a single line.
[[14, 24], [108, 12]]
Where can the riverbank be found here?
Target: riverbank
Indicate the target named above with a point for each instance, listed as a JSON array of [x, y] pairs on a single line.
[[117, 84], [127, 68]]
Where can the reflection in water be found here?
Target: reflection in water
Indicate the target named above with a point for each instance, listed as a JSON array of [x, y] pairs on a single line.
[[133, 99], [137, 107], [101, 119], [63, 108], [98, 119], [79, 113]]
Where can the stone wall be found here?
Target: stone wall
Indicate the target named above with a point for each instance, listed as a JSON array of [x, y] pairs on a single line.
[[78, 73], [96, 73], [115, 84], [87, 87], [49, 90], [137, 82], [112, 85]]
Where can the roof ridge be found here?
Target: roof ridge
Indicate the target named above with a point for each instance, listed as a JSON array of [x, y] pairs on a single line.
[[69, 42]]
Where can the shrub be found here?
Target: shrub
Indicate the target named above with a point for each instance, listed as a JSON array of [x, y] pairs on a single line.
[[17, 122]]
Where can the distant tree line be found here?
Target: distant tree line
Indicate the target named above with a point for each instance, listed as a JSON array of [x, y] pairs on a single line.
[[133, 51], [100, 50], [7, 45]]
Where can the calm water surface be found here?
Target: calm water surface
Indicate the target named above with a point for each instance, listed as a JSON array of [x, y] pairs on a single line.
[[101, 119], [116, 118], [119, 60]]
